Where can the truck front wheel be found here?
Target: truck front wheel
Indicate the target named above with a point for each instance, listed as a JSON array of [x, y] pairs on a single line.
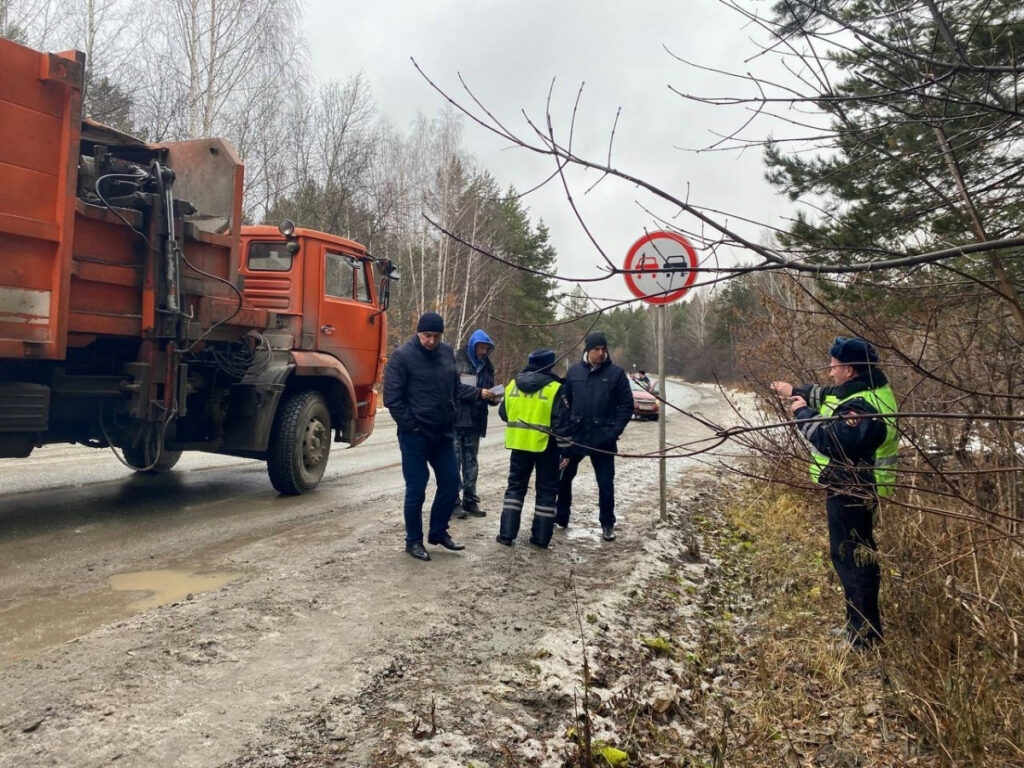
[[300, 443]]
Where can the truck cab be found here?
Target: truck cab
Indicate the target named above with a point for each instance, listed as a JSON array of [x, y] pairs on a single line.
[[323, 292], [138, 313]]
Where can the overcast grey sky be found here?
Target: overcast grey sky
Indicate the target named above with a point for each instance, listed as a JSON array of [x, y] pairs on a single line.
[[509, 52]]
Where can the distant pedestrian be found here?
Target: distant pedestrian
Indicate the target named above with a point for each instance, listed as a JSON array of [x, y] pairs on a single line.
[[535, 409], [476, 370], [642, 379], [601, 407], [853, 456], [421, 387]]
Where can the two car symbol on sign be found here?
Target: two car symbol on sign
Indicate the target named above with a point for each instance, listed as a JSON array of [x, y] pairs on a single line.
[[674, 264]]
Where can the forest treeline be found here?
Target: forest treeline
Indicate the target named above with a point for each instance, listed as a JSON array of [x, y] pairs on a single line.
[[321, 154]]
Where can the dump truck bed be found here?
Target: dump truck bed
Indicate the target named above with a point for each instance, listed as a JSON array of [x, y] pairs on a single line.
[[73, 270]]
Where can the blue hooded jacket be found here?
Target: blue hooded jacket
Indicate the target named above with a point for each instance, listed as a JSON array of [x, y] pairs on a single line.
[[479, 337], [480, 373]]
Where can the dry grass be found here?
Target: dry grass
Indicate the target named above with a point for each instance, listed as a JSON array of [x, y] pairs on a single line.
[[737, 666], [945, 689]]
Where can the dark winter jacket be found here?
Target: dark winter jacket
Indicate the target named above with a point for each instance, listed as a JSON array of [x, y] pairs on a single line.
[[421, 388], [850, 441], [601, 403], [531, 380], [472, 416]]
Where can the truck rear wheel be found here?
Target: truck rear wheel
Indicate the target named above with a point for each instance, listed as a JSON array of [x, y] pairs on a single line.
[[136, 456], [300, 444]]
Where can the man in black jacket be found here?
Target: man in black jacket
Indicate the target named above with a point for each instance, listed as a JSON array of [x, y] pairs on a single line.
[[475, 369], [421, 387], [601, 405]]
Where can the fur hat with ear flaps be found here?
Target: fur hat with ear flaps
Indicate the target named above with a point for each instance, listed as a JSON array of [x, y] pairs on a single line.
[[540, 359], [853, 351]]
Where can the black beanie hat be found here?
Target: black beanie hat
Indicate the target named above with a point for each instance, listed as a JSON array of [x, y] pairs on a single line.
[[853, 351], [540, 359], [595, 339], [430, 322]]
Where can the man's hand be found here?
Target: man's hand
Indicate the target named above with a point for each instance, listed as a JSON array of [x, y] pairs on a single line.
[[783, 389], [796, 403], [489, 396], [563, 463]]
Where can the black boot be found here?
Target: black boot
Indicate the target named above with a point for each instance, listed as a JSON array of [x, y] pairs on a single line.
[[473, 508], [509, 527], [541, 530]]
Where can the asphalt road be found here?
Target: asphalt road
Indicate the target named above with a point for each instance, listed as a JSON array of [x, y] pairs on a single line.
[[73, 518]]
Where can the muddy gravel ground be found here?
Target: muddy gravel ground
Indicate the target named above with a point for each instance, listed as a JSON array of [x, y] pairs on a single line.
[[297, 632]]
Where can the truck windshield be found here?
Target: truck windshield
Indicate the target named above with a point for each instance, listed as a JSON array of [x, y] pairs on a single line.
[[269, 257]]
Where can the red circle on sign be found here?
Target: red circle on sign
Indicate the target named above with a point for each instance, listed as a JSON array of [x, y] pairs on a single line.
[[655, 259]]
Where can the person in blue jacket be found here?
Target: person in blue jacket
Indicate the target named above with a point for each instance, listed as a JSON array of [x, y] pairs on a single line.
[[601, 403], [476, 370], [421, 388]]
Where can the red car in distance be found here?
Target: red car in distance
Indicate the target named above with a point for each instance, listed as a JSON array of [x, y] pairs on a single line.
[[645, 405]]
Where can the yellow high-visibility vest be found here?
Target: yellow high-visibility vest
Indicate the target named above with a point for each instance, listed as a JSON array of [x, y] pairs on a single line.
[[526, 412], [882, 400]]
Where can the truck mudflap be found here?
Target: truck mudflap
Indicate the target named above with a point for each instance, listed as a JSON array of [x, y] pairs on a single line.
[[253, 405], [362, 425], [361, 429]]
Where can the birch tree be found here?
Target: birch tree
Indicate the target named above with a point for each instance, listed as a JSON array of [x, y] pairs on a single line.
[[221, 54]]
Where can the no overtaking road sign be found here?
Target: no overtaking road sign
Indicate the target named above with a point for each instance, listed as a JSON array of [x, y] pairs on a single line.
[[669, 266]]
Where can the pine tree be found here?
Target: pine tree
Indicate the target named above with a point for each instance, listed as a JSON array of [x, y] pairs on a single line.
[[924, 149]]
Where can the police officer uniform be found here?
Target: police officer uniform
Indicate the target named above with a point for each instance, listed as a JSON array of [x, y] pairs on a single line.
[[854, 440], [535, 409]]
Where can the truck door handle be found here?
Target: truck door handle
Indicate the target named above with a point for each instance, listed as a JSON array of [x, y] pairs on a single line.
[[327, 329]]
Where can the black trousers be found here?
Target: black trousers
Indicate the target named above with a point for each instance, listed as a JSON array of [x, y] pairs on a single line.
[[520, 466], [854, 554], [604, 470]]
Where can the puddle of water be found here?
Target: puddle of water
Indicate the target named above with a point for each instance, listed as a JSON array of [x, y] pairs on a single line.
[[167, 586], [27, 628]]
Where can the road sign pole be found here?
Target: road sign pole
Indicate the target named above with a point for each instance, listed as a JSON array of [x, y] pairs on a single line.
[[660, 268], [663, 411]]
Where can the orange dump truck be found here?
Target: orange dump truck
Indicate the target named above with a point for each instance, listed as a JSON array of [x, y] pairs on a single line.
[[137, 312]]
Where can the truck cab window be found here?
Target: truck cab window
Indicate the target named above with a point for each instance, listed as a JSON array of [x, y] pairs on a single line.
[[269, 257], [345, 277]]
